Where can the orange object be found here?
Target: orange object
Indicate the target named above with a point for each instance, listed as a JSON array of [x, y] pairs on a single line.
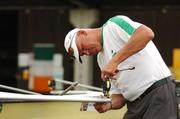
[[25, 74], [176, 58], [41, 84]]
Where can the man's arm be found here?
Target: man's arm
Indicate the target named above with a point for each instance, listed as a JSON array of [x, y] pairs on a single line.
[[137, 42], [118, 101]]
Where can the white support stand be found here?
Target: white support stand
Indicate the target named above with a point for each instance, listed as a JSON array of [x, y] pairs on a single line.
[[83, 18]]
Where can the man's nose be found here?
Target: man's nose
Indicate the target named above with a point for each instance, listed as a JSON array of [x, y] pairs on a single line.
[[82, 53], [86, 53]]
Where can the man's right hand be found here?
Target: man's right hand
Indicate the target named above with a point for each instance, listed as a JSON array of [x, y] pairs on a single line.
[[102, 107], [118, 101]]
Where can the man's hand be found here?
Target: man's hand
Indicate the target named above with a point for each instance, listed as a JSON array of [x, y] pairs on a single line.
[[102, 107], [118, 101], [109, 70]]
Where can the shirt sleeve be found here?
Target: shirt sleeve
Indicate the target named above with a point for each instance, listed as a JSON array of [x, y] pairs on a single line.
[[114, 88], [125, 23], [131, 22]]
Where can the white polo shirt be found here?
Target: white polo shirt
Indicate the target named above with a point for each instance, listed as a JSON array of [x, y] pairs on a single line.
[[148, 63]]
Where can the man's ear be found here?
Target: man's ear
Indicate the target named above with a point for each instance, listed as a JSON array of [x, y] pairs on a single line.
[[82, 32]]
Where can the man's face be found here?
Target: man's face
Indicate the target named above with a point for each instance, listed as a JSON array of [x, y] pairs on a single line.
[[86, 46]]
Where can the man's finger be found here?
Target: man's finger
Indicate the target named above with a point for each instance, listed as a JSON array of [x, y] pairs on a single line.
[[117, 71]]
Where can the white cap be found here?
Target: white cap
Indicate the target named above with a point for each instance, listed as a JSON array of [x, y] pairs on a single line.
[[70, 42]]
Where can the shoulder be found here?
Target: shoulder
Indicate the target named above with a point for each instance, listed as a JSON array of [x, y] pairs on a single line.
[[120, 19]]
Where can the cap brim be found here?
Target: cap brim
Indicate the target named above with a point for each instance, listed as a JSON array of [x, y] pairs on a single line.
[[76, 52]]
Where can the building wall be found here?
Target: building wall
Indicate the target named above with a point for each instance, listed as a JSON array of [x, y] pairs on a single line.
[[45, 26], [8, 47]]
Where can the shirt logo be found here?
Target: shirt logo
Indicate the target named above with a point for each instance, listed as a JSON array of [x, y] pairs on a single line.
[[113, 53]]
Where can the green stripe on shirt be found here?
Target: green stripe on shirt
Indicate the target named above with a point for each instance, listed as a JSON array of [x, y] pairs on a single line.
[[102, 37], [123, 24]]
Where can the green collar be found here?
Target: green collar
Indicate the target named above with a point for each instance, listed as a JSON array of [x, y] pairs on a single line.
[[102, 37]]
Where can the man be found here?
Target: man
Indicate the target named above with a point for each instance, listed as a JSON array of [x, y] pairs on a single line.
[[122, 43]]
